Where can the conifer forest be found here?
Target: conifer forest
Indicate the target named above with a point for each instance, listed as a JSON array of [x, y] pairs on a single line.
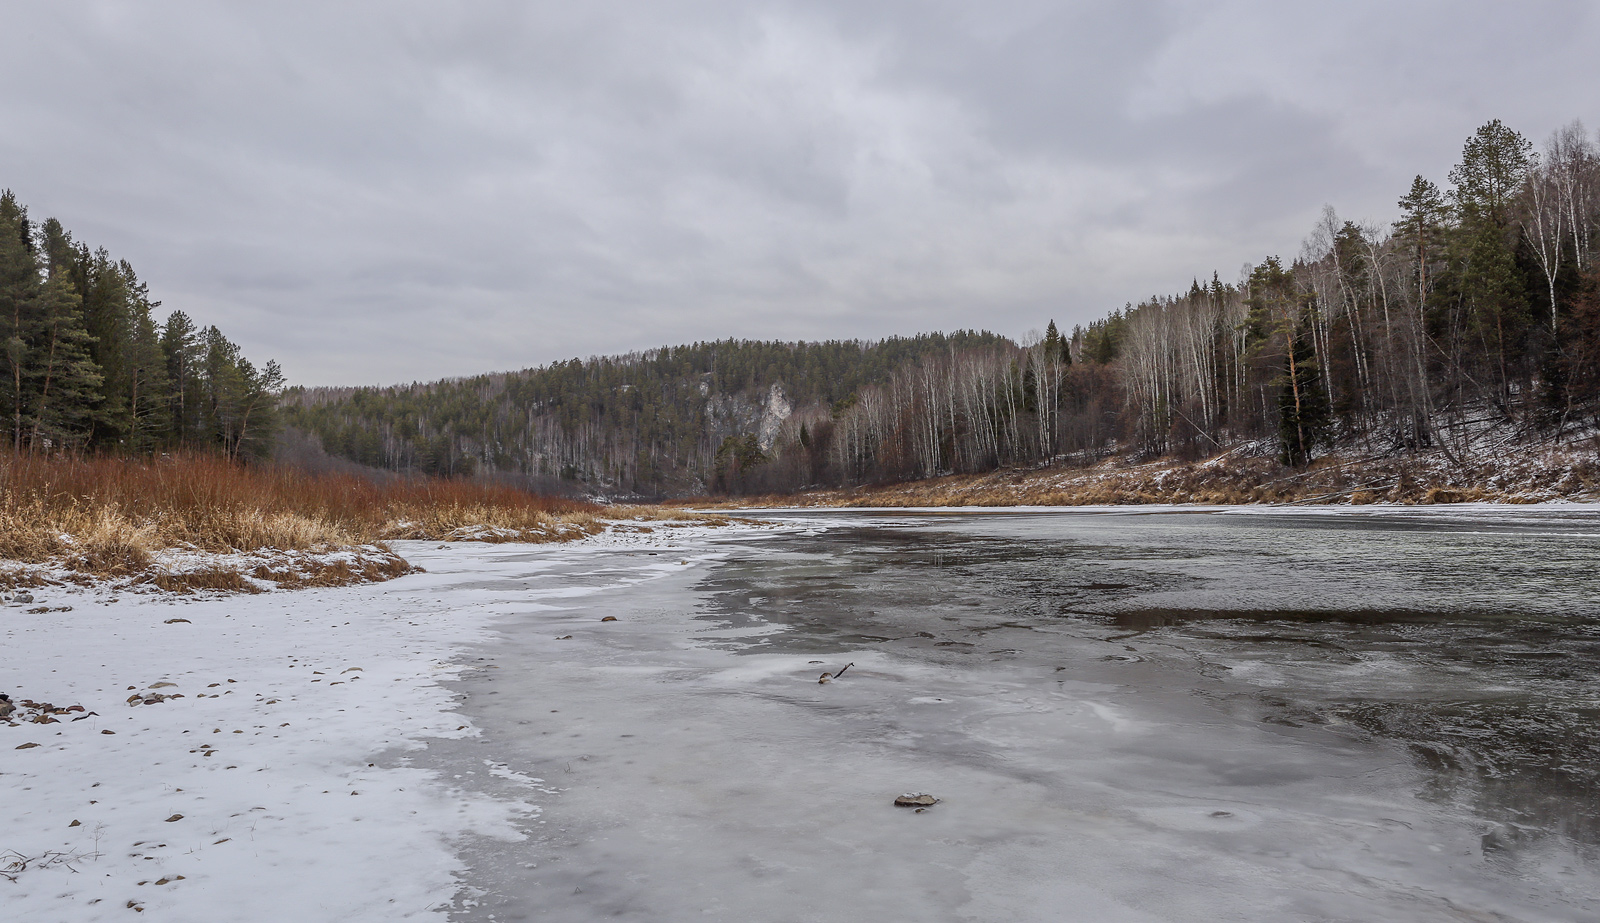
[[87, 366]]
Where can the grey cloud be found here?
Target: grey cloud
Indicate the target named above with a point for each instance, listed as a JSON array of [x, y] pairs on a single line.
[[383, 192]]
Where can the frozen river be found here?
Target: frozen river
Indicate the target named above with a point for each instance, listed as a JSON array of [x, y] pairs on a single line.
[[1127, 715]]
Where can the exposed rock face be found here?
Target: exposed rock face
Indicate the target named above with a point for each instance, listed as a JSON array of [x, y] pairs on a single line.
[[738, 414], [731, 415], [776, 411]]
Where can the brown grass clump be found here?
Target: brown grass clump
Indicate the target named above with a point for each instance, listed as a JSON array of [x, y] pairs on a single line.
[[21, 578], [1454, 495], [106, 542], [217, 579], [292, 572]]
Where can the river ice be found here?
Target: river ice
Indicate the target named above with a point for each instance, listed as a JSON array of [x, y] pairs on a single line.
[[1127, 715]]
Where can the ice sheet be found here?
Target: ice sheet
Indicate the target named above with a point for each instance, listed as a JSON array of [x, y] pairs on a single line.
[[1086, 773]]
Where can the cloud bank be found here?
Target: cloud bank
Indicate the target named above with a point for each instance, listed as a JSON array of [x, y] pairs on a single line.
[[392, 191]]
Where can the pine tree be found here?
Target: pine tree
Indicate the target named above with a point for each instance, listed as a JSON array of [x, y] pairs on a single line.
[[58, 252], [239, 399], [1270, 300], [1423, 214], [107, 316], [64, 381], [1494, 165]]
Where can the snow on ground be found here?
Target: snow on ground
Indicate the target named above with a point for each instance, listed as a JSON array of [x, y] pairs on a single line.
[[188, 567], [271, 782]]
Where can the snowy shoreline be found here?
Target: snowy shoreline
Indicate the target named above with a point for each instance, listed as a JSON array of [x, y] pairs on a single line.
[[271, 783]]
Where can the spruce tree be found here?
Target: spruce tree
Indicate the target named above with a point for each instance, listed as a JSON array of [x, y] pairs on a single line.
[[1303, 412], [179, 348], [1055, 346], [106, 315], [148, 396]]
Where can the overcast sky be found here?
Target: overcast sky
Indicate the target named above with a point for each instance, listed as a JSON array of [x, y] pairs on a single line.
[[383, 192]]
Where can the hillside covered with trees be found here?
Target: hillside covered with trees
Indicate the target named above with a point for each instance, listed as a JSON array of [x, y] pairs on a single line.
[[86, 365], [1474, 315], [646, 423]]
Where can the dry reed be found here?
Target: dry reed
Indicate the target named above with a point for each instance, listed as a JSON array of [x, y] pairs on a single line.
[[112, 516]]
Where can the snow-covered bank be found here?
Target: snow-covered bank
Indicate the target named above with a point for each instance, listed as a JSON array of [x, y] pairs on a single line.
[[272, 781], [186, 568], [1507, 473]]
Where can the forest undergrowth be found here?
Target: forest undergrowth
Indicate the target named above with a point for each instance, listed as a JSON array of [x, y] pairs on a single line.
[[198, 522]]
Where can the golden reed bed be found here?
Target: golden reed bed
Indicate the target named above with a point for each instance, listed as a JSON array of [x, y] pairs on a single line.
[[116, 517]]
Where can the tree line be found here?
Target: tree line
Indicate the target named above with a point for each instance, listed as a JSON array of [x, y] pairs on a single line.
[[1475, 311], [86, 365]]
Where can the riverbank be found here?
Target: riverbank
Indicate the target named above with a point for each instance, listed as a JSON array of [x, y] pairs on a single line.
[[1245, 475], [201, 523], [250, 757]]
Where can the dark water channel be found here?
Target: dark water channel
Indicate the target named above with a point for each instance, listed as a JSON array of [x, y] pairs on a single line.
[[1473, 640]]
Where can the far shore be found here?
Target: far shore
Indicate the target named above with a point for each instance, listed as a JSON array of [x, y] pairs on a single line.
[[1521, 475]]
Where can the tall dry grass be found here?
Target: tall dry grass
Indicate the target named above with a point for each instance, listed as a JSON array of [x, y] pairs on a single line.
[[110, 515]]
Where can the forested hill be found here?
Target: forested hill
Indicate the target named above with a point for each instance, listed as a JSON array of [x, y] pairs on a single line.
[[649, 423], [85, 365], [1465, 325]]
